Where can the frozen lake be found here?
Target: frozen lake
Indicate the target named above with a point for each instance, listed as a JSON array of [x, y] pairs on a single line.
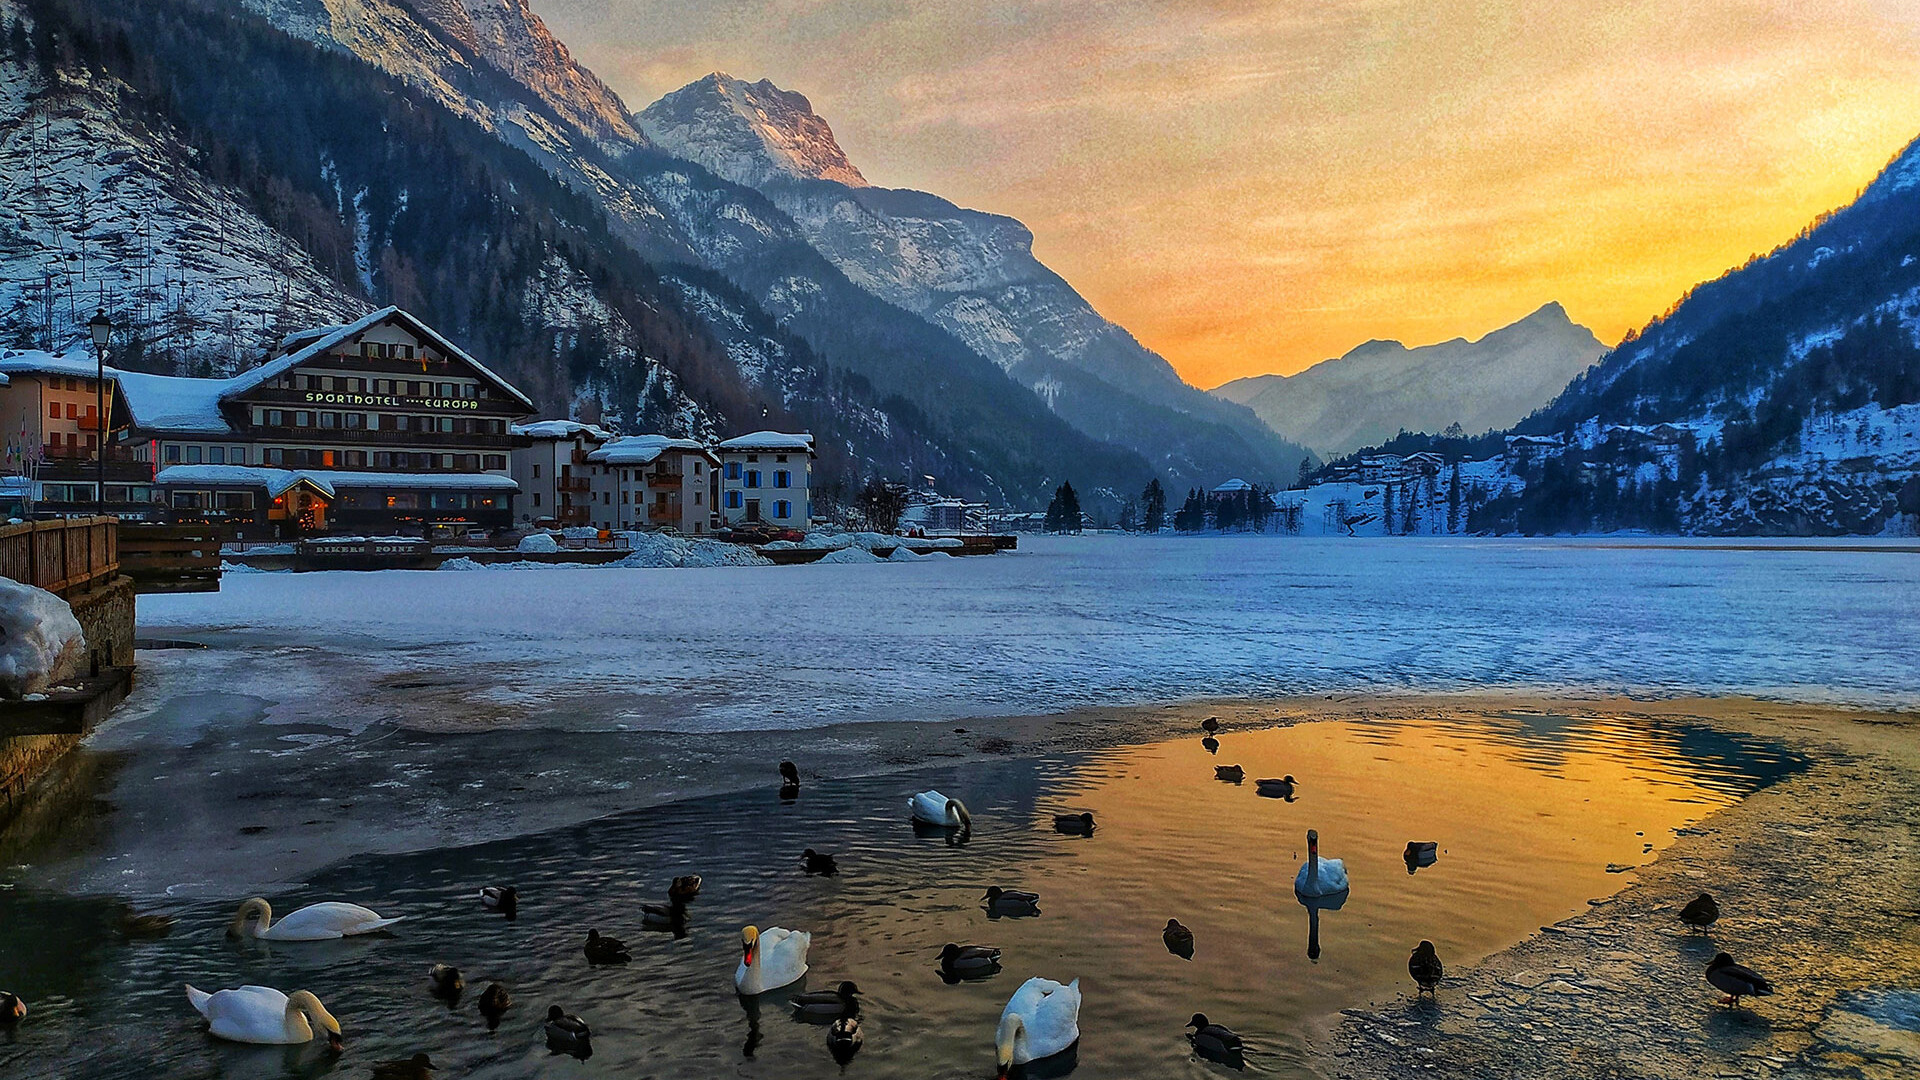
[[1064, 623]]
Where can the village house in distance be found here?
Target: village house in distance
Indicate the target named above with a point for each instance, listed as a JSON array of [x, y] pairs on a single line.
[[376, 427]]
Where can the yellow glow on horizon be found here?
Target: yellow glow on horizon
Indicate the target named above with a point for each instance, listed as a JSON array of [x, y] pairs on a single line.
[[1252, 186]]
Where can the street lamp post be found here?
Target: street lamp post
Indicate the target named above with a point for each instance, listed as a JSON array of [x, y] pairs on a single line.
[[101, 328]]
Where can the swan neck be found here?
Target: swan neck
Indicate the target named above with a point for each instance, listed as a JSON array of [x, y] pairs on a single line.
[[1011, 1025]]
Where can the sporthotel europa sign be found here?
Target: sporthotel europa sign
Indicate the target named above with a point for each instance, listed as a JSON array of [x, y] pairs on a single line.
[[334, 397]]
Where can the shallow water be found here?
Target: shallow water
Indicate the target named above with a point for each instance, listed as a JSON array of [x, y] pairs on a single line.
[[1530, 810]]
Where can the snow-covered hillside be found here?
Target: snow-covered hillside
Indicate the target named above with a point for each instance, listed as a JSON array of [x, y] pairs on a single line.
[[104, 212], [749, 132]]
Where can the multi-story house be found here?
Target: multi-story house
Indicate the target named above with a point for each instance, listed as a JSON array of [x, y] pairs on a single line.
[[50, 435], [767, 477], [551, 466], [381, 425], [652, 482]]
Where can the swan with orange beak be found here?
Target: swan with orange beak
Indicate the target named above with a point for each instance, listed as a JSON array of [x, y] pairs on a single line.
[[770, 960]]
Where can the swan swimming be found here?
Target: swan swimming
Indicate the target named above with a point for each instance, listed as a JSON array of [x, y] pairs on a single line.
[[315, 922], [936, 809], [770, 960], [1040, 1020], [1318, 876], [261, 1014]]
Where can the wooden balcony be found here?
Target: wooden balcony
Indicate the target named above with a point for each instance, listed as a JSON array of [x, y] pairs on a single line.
[[573, 483], [663, 512]]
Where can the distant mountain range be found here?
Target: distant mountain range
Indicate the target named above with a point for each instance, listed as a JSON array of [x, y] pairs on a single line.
[[712, 264], [1381, 388]]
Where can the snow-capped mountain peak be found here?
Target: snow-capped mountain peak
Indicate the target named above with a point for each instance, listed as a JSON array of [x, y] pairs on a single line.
[[748, 133]]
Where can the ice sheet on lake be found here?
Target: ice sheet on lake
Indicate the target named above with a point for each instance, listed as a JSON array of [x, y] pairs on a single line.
[[1084, 622]]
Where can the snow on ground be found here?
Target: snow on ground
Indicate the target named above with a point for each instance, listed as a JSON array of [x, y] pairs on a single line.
[[1063, 623], [40, 640]]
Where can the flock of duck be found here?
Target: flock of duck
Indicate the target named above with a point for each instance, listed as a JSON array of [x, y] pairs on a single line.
[[1040, 1021]]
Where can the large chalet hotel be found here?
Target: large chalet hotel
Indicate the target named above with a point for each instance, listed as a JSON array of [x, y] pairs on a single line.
[[379, 426]]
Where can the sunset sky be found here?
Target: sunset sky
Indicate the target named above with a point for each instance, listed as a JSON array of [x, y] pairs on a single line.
[[1255, 185]]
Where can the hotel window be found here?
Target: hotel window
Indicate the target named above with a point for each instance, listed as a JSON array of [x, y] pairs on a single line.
[[303, 419], [216, 455], [536, 472], [623, 496], [536, 498], [329, 419], [696, 468], [276, 418], [405, 500], [782, 478], [733, 500], [274, 455], [447, 462], [448, 390], [233, 500], [73, 411], [782, 508], [606, 498], [498, 461], [326, 459], [383, 459], [187, 500], [696, 497], [470, 462], [193, 455], [353, 421], [172, 453], [781, 458], [753, 478], [404, 352], [733, 470], [53, 410], [446, 424], [236, 455], [356, 459]]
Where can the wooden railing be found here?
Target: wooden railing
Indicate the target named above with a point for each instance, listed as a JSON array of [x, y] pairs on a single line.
[[66, 556], [173, 558]]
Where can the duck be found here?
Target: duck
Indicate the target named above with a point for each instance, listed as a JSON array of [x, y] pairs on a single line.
[[567, 1033], [1040, 1020], [936, 809], [1210, 744], [1275, 789], [684, 888], [1073, 824], [12, 1009], [825, 1003], [1735, 980], [999, 901], [605, 950], [1179, 939], [315, 922], [844, 1039], [446, 981], [1420, 853], [1425, 967], [789, 775], [1700, 912], [494, 1003], [1214, 1040], [770, 960], [504, 899], [136, 926], [261, 1014], [414, 1068], [1232, 774], [818, 863], [969, 959], [1210, 725], [668, 916], [1318, 876]]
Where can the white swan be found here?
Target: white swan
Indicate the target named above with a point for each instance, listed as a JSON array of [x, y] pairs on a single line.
[[261, 1014], [1318, 876], [1041, 1020], [771, 960], [936, 809], [315, 922]]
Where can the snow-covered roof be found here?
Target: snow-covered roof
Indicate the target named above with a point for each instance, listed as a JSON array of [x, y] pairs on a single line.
[[770, 441], [173, 404], [3, 379], [79, 362], [279, 366], [559, 429], [641, 449], [1233, 485], [277, 481]]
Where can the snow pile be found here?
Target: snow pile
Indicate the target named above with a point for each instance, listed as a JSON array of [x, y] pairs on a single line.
[[905, 554], [659, 550], [850, 555], [836, 541], [535, 542], [240, 568], [40, 640], [580, 532]]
